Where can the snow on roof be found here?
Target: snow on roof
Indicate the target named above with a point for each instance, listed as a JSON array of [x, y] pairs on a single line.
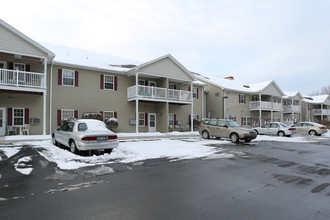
[[318, 99], [291, 94], [94, 60], [233, 84]]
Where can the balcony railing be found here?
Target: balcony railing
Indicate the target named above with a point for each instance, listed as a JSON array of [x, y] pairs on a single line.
[[21, 78], [257, 105], [148, 92], [321, 112], [290, 108]]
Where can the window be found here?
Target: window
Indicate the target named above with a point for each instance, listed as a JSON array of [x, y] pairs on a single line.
[[68, 77], [171, 120], [241, 99], [82, 127], [195, 93], [246, 121], [19, 66], [273, 125], [67, 114], [171, 86], [255, 98], [141, 82], [213, 122], [141, 119], [18, 116], [195, 117], [221, 123], [109, 82], [107, 115]]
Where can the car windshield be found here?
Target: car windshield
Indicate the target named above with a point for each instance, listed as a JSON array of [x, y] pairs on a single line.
[[82, 127], [232, 124]]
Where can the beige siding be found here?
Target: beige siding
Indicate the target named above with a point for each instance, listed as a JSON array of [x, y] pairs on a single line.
[[13, 43], [272, 90], [167, 68]]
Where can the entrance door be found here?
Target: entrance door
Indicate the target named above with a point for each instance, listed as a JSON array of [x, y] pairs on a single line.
[[152, 122], [2, 121]]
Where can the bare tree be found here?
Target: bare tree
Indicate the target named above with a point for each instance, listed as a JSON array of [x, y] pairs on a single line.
[[324, 91]]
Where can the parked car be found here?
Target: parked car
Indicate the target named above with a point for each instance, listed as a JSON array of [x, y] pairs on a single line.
[[221, 128], [85, 134], [310, 128], [276, 128]]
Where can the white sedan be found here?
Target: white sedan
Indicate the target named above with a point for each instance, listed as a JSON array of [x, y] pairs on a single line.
[[85, 134], [276, 128]]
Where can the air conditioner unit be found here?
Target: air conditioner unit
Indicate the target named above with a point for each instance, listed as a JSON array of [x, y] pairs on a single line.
[[34, 121]]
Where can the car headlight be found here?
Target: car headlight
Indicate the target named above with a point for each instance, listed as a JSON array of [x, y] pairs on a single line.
[[246, 132]]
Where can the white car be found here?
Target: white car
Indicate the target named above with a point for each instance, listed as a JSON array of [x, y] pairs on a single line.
[[276, 128], [310, 128], [85, 134]]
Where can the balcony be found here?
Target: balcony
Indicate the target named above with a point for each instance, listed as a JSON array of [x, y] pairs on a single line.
[[21, 79], [157, 94], [321, 112], [267, 106], [290, 109]]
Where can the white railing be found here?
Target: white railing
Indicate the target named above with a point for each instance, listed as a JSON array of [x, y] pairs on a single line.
[[257, 105], [290, 108], [179, 95], [321, 112], [21, 78], [146, 92]]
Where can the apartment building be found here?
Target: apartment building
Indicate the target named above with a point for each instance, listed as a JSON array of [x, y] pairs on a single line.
[[292, 107], [42, 85], [248, 104], [316, 108]]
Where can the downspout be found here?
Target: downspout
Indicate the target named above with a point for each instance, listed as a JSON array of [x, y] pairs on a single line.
[[192, 108], [136, 103], [260, 121], [45, 99], [202, 102]]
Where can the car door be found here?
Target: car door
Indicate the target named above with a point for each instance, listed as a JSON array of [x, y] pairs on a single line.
[[223, 130], [307, 127], [273, 129], [264, 129], [67, 133], [299, 127], [212, 127]]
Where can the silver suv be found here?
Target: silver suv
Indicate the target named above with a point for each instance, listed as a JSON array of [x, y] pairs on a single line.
[[221, 128]]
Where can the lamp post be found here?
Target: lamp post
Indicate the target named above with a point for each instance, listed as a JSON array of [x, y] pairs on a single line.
[[223, 106]]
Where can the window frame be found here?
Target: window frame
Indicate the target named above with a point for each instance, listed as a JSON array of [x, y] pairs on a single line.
[[240, 99], [66, 110], [171, 119], [108, 112], [23, 117], [246, 121], [105, 82], [73, 77], [194, 90], [143, 119], [23, 64]]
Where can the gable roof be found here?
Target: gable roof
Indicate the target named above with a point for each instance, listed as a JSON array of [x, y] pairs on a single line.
[[169, 56], [318, 99], [290, 95], [236, 85], [49, 53]]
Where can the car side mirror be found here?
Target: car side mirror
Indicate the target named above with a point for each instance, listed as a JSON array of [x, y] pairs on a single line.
[[225, 126]]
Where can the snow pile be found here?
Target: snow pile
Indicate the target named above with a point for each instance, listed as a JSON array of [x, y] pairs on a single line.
[[23, 165]]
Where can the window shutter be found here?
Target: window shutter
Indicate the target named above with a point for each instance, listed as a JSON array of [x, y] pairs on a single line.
[[10, 65], [116, 83], [244, 99], [146, 83], [59, 116], [189, 118], [10, 117], [242, 121], [26, 116], [189, 88], [59, 77], [76, 114], [197, 93], [76, 78], [239, 98], [174, 119], [174, 86], [115, 114], [146, 119], [27, 68], [197, 117], [102, 82]]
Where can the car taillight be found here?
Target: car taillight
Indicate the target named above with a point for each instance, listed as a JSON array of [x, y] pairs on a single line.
[[200, 125], [88, 139], [112, 137], [322, 128], [292, 129]]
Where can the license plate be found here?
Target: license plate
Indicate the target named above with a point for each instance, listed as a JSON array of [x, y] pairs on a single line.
[[101, 138]]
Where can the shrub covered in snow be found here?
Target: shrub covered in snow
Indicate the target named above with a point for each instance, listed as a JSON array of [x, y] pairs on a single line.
[[112, 123], [92, 115]]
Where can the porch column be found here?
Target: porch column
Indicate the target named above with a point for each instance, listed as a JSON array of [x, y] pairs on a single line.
[[45, 98], [321, 112], [300, 115], [192, 109], [260, 120], [136, 103], [282, 110], [292, 112]]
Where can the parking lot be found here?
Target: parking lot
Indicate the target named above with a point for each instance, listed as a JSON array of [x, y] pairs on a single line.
[[271, 177]]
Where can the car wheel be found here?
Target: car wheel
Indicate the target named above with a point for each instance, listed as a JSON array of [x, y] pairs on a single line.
[[54, 141], [312, 132], [256, 132], [73, 147], [108, 151], [206, 135], [281, 133], [234, 138]]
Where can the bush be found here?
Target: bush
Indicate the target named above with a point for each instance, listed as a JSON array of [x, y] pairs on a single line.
[[325, 122], [112, 123], [93, 115]]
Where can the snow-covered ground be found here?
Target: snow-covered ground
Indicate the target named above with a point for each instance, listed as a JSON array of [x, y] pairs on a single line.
[[133, 150]]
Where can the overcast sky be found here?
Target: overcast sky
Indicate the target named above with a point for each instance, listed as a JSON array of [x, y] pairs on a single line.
[[253, 40]]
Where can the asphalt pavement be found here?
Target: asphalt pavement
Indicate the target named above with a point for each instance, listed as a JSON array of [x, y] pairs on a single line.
[[265, 180]]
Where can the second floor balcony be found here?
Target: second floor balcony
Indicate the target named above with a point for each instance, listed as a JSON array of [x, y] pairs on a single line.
[[291, 108], [266, 106], [158, 94], [22, 79], [321, 112]]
